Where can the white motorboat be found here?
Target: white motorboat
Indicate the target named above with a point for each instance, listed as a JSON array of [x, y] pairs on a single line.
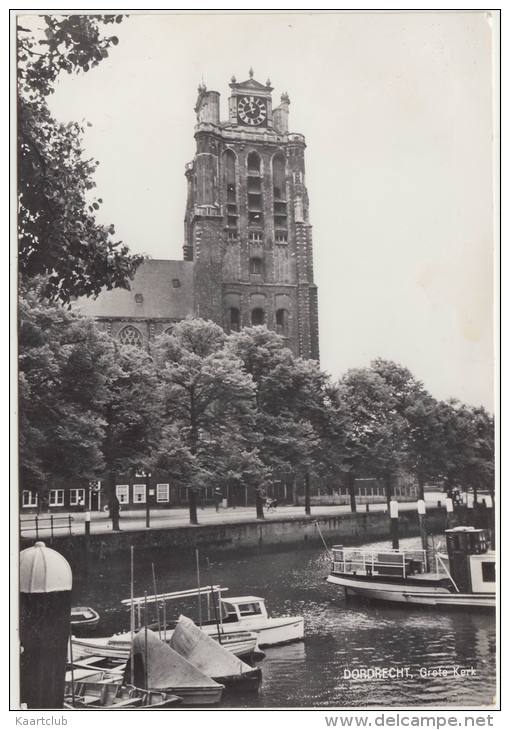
[[250, 613], [227, 616], [464, 576]]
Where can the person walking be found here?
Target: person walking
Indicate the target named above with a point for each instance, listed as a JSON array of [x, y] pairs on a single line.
[[114, 509]]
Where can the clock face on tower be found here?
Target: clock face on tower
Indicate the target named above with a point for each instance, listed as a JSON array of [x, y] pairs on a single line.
[[252, 111]]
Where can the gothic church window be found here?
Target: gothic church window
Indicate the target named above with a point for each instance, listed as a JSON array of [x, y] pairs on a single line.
[[255, 215], [279, 197], [282, 322], [256, 266], [229, 181], [258, 316], [130, 335], [253, 164], [234, 319]]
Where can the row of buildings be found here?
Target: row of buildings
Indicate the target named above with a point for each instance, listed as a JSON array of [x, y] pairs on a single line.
[[159, 492]]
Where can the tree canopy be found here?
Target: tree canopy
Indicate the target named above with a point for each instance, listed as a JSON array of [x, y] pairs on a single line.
[[59, 237]]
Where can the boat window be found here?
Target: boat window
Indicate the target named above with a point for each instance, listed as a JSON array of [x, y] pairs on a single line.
[[488, 572], [228, 609], [249, 608]]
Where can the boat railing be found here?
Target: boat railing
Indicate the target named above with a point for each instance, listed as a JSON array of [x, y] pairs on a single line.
[[382, 562]]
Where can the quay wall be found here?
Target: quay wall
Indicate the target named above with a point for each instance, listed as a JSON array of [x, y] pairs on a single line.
[[347, 529]]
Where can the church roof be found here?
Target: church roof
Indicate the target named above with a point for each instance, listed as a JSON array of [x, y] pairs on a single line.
[[166, 289]]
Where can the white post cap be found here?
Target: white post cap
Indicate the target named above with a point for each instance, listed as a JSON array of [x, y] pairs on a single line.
[[43, 570], [449, 504], [421, 506], [393, 508]]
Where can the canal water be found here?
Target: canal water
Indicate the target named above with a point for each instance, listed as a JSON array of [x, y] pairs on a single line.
[[340, 635]]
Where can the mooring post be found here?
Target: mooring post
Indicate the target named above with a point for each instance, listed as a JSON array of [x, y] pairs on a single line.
[[87, 523], [470, 509], [51, 527], [449, 512], [368, 507], [422, 511], [45, 615], [394, 524]]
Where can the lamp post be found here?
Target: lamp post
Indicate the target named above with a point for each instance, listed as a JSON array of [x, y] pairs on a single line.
[[147, 476]]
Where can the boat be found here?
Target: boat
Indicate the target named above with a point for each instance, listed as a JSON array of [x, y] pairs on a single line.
[[235, 614], [465, 576], [242, 644], [84, 617], [212, 659], [105, 694], [250, 613], [156, 666]]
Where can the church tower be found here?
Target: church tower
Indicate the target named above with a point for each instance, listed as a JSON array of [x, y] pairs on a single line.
[[247, 225]]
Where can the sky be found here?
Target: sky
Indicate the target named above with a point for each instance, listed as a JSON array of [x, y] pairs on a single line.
[[397, 111]]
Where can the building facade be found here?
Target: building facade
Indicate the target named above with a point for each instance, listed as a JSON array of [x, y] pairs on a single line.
[[247, 223], [248, 253]]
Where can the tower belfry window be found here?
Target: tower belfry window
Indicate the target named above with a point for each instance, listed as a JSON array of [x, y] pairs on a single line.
[[254, 187], [229, 182], [256, 265], [279, 198]]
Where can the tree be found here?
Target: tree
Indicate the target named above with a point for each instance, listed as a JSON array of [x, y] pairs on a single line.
[[206, 395], [421, 435], [132, 415], [375, 432], [59, 237], [295, 420], [65, 365], [467, 453]]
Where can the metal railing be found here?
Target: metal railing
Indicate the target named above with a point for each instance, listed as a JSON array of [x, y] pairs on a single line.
[[352, 560], [43, 524]]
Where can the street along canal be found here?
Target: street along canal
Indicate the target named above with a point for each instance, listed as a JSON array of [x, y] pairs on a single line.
[[429, 645]]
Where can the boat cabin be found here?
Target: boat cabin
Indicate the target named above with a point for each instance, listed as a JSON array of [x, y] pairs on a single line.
[[241, 608], [470, 561]]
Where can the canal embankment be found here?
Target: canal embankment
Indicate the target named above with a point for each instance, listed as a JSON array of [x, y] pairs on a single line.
[[346, 528]]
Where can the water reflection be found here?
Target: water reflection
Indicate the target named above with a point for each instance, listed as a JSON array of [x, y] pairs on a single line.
[[341, 636]]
